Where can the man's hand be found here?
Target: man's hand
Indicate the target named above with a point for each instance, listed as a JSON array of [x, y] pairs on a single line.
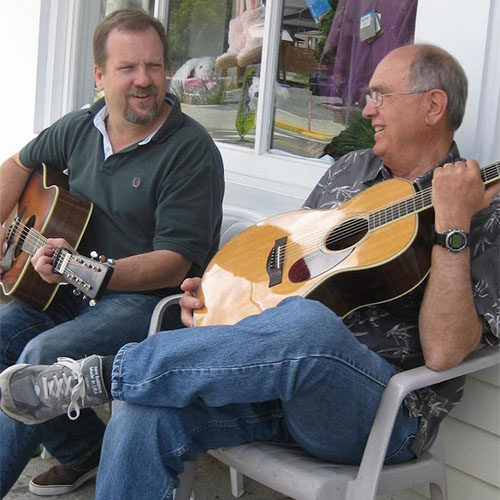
[[458, 193], [42, 260], [189, 302]]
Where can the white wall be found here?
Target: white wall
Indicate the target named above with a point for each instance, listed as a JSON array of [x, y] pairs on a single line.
[[18, 59], [466, 29]]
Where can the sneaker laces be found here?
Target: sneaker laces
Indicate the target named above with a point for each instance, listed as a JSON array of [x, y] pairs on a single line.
[[62, 386]]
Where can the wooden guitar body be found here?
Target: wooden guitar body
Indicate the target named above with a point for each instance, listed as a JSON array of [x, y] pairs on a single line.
[[333, 256], [47, 206]]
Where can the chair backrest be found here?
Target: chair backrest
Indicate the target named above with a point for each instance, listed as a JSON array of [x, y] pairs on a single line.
[[234, 221]]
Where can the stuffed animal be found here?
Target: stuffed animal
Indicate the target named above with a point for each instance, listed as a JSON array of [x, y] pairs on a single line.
[[199, 69], [280, 91], [246, 33]]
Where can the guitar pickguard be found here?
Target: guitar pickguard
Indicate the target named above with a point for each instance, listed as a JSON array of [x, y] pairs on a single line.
[[315, 264], [338, 245]]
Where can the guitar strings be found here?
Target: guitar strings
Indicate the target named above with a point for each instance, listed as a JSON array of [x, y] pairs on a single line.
[[36, 240], [347, 229], [28, 235], [420, 201], [383, 215]]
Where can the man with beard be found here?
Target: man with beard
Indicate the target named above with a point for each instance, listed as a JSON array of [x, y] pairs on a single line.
[[155, 179]]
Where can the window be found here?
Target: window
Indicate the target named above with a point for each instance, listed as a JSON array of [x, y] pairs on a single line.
[[266, 171], [215, 50], [320, 54]]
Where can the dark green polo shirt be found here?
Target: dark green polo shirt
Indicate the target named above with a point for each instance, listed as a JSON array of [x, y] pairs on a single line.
[[165, 194]]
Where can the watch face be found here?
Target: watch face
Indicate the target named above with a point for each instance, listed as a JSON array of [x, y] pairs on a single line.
[[456, 240]]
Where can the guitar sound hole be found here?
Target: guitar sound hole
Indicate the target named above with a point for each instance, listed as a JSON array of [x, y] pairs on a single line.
[[347, 234]]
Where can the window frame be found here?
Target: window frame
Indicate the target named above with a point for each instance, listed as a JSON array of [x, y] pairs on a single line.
[[64, 72]]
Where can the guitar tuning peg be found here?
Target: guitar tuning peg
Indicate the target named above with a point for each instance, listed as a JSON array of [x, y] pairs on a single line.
[[111, 262], [94, 254], [92, 303], [102, 259]]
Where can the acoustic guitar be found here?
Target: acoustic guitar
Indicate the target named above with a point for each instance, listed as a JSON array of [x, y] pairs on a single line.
[[372, 249], [45, 210]]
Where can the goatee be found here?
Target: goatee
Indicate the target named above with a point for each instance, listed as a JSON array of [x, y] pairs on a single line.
[[133, 117]]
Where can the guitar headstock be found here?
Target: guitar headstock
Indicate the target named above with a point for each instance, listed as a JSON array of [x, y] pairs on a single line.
[[88, 275]]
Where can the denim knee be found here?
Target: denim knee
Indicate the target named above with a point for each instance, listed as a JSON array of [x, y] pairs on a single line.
[[39, 352], [310, 319]]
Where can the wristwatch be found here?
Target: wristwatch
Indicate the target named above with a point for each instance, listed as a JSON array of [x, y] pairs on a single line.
[[454, 240]]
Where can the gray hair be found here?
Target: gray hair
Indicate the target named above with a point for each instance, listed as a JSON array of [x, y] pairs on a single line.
[[435, 68]]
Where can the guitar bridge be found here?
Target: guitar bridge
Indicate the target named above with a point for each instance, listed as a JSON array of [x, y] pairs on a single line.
[[275, 260]]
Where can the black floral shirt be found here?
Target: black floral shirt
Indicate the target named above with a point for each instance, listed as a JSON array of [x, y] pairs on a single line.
[[391, 328]]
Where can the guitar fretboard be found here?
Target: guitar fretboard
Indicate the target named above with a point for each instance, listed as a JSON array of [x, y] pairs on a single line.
[[420, 201], [32, 240]]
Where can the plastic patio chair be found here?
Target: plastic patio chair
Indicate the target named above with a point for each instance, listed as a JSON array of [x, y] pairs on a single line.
[[293, 472]]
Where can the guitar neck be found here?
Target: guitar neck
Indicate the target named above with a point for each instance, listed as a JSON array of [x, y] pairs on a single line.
[[33, 240], [421, 201]]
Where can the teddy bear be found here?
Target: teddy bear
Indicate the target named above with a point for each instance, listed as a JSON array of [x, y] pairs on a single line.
[[245, 36], [194, 73]]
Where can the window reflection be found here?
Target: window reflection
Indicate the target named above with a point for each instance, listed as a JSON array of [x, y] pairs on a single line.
[[215, 51], [328, 52]]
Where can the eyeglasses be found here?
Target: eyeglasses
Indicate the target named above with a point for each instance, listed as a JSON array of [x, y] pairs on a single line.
[[377, 98]]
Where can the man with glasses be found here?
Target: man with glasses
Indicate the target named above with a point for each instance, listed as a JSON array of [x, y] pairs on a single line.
[[298, 373]]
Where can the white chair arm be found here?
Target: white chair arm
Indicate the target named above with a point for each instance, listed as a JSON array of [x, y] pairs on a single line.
[[399, 386], [159, 311]]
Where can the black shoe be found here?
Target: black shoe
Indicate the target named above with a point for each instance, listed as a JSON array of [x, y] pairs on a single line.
[[59, 480]]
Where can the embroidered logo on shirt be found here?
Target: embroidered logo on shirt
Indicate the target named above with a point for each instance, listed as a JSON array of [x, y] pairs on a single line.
[[136, 182]]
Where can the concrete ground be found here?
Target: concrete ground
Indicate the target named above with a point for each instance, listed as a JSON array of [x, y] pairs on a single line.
[[211, 483]]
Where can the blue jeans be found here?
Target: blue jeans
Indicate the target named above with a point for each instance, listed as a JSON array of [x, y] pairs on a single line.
[[293, 374], [69, 327]]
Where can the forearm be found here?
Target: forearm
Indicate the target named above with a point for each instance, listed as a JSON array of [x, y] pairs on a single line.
[[450, 327], [154, 270], [13, 178]]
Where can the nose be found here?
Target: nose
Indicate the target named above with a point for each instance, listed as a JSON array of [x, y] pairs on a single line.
[[142, 77], [370, 109]]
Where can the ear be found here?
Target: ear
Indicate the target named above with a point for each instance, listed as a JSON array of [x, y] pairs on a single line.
[[98, 74], [436, 106]]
